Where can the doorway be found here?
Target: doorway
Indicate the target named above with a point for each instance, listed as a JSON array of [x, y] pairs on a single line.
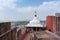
[[34, 28]]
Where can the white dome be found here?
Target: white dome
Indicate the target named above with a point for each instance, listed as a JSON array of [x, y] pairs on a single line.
[[34, 21]]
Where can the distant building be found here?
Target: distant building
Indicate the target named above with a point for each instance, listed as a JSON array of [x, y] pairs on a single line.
[[57, 24], [57, 14], [50, 23]]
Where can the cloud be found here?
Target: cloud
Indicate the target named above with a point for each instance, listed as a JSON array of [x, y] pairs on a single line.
[[9, 11], [7, 3], [53, 6], [49, 7]]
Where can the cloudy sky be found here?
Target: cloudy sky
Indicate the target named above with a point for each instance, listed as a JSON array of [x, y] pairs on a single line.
[[19, 10]]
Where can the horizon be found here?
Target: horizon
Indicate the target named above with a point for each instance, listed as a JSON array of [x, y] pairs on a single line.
[[23, 10]]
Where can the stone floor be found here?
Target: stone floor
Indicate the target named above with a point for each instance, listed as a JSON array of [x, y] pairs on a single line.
[[41, 35], [27, 37]]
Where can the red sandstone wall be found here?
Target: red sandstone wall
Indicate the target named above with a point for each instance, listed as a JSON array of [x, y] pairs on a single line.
[[4, 27], [50, 23]]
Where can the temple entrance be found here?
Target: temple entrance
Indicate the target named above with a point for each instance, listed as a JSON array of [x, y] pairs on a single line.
[[37, 28], [34, 28]]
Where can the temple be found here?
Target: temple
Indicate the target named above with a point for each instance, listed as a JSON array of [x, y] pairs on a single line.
[[34, 24]]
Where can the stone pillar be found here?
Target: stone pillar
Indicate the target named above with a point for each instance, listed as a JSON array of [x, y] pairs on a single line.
[[36, 28], [32, 29], [39, 29]]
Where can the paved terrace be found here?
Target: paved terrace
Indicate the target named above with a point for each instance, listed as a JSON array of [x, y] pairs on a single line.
[[41, 35]]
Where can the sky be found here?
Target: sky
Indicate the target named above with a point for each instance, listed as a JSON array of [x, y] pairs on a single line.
[[23, 10]]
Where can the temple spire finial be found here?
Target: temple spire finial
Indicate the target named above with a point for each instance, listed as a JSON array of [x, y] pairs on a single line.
[[35, 14]]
